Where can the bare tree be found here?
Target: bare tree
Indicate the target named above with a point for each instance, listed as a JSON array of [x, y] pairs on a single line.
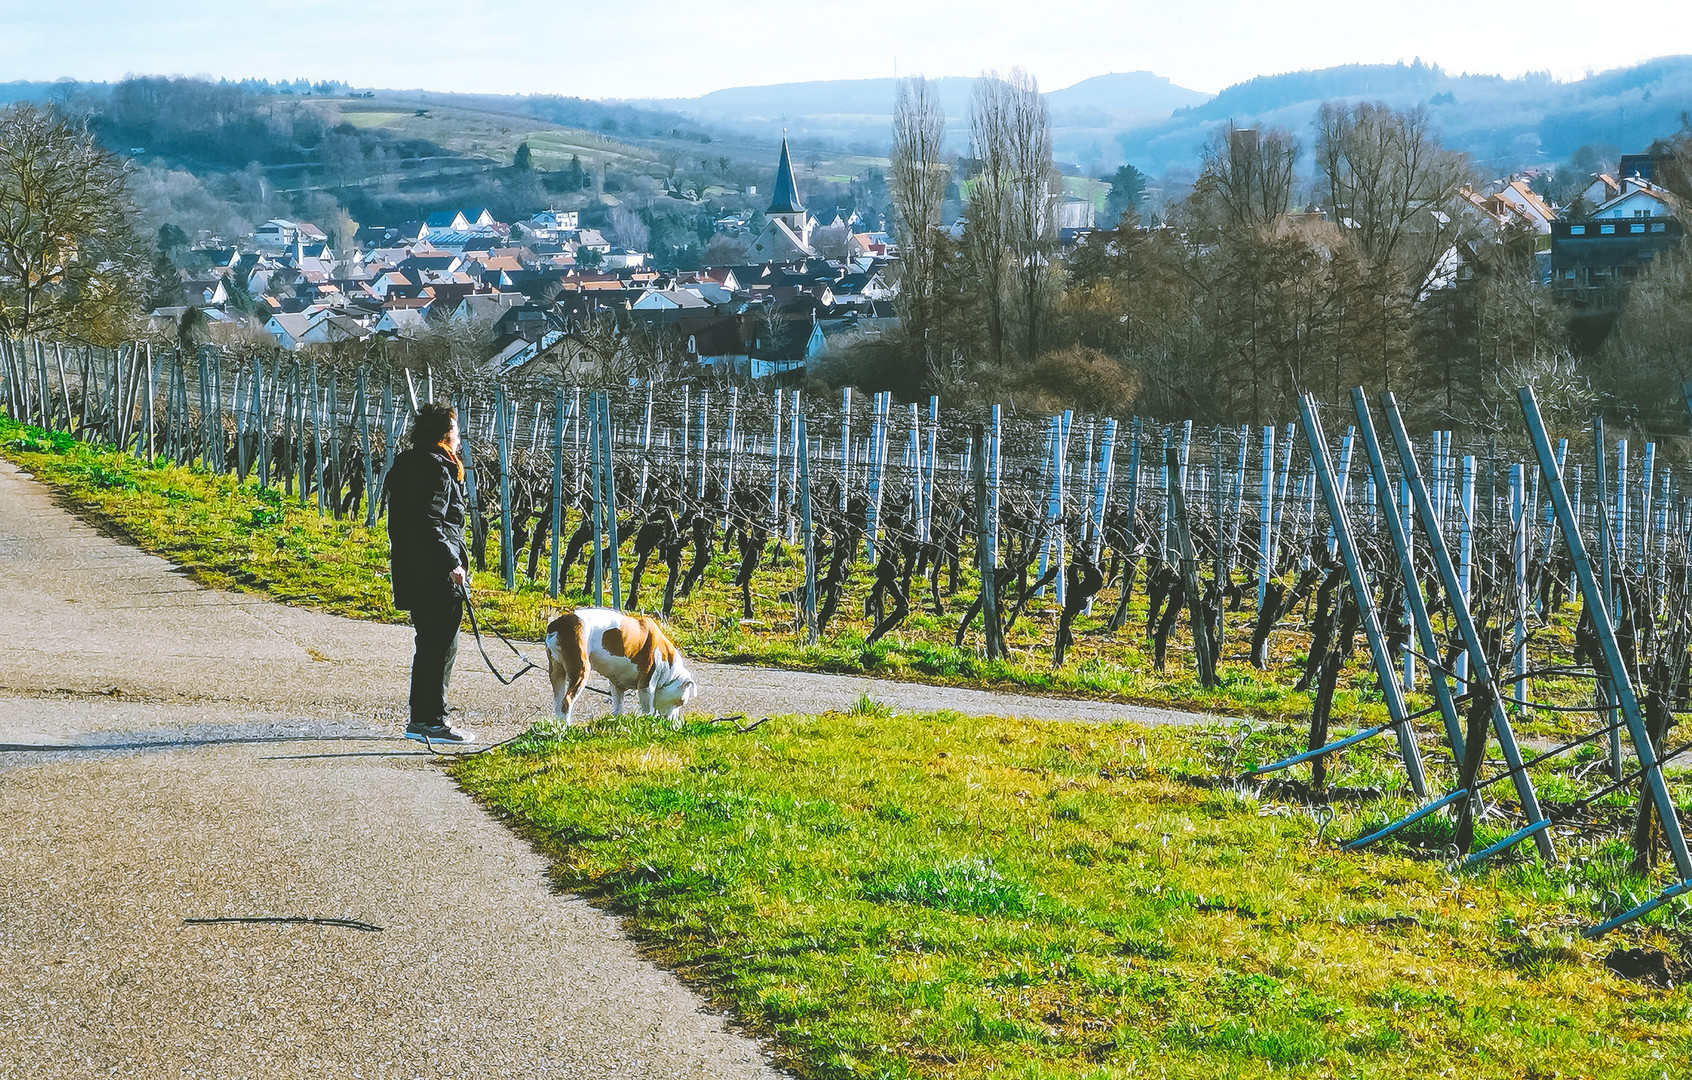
[[1647, 358], [1392, 188], [987, 233], [1012, 224], [71, 262], [629, 226], [918, 175], [1034, 189], [1247, 176], [1389, 181]]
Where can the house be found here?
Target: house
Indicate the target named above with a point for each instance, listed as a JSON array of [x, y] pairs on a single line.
[[718, 341], [1602, 189], [456, 240], [167, 319], [669, 306], [719, 275], [712, 293], [874, 245], [555, 219], [437, 265], [550, 226], [211, 259], [622, 259], [290, 329], [518, 352], [338, 326], [1616, 242], [392, 283], [526, 321], [446, 221], [375, 236], [484, 308], [402, 322], [206, 292], [404, 316], [1073, 212], [734, 224], [592, 239], [279, 234], [1639, 199], [495, 270], [1526, 206], [316, 326], [784, 339]]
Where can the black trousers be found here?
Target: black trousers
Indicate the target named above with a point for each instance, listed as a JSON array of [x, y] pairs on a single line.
[[431, 664]]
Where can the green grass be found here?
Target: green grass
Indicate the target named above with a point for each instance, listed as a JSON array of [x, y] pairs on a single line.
[[944, 896]]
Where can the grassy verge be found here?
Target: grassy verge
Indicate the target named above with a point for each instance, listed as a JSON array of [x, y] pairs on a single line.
[[943, 896]]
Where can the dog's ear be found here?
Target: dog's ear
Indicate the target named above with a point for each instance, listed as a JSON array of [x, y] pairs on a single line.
[[549, 615]]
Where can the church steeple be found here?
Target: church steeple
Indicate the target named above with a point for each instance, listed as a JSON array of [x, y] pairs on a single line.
[[787, 232], [785, 200]]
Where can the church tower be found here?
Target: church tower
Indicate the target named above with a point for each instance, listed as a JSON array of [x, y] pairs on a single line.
[[787, 227], [784, 203]]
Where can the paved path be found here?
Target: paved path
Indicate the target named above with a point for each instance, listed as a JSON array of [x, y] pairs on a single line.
[[170, 751]]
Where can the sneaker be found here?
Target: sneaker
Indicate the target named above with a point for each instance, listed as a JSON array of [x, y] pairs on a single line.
[[441, 732]]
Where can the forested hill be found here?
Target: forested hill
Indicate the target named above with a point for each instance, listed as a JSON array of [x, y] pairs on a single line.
[[1086, 117], [1139, 117], [224, 156], [1503, 123]]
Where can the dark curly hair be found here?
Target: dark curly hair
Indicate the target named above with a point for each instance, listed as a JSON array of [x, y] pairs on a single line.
[[432, 423]]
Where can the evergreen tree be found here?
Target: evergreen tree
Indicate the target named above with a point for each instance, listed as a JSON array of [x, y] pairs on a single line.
[[1127, 188]]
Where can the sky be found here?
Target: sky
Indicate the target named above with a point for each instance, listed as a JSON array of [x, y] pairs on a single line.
[[603, 50]]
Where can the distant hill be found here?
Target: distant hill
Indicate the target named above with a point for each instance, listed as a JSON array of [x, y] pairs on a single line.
[[858, 113], [855, 113], [1160, 127], [840, 127], [1503, 123]]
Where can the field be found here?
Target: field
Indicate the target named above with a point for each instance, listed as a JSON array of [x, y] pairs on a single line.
[[493, 135]]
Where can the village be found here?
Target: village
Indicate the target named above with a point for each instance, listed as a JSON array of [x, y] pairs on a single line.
[[809, 284], [519, 288]]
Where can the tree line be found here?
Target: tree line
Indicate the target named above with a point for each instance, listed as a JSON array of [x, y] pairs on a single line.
[[1370, 267]]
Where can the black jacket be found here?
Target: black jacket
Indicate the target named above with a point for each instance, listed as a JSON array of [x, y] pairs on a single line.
[[425, 527]]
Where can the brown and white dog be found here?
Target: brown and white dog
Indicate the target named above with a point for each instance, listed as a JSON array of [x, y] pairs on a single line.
[[629, 650]]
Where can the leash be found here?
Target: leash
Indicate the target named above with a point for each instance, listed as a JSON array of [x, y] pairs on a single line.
[[528, 665], [475, 629]]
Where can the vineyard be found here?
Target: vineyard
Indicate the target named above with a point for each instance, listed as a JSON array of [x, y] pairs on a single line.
[[1513, 618]]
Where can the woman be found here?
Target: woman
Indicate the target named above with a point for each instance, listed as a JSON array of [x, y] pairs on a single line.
[[425, 492]]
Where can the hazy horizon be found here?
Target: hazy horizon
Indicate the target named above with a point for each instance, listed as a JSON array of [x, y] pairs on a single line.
[[528, 47]]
